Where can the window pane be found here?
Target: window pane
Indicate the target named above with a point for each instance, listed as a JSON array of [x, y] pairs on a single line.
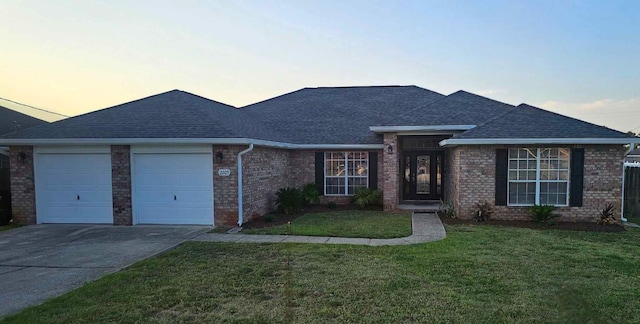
[[356, 183], [335, 186]]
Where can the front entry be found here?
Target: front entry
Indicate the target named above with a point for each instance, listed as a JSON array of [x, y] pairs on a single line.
[[422, 175]]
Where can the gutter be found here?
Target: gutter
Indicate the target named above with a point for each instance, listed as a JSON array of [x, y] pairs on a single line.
[[227, 141], [507, 141], [240, 217]]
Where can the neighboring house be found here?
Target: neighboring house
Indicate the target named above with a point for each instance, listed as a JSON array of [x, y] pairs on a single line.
[[177, 158], [10, 121]]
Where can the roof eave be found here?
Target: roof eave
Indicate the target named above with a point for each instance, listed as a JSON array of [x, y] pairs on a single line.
[[534, 141], [418, 129], [212, 141]]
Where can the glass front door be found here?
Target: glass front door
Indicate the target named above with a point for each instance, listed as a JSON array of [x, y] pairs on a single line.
[[422, 175]]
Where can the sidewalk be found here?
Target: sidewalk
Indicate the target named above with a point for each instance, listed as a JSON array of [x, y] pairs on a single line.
[[426, 228]]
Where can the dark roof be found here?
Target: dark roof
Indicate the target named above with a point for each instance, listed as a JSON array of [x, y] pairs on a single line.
[[336, 115], [526, 121], [11, 120], [458, 108], [173, 114]]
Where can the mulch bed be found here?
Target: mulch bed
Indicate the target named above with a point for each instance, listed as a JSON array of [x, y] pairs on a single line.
[[568, 226], [280, 219]]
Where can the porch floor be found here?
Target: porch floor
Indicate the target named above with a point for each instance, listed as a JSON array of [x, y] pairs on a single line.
[[420, 206]]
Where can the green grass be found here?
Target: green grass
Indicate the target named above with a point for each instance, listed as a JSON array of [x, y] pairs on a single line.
[[634, 219], [478, 274], [8, 227], [350, 223]]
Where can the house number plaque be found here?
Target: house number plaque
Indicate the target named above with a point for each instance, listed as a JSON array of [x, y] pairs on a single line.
[[224, 172]]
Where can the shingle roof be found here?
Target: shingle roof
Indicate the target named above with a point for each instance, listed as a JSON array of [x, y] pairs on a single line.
[[173, 114], [526, 121], [338, 115], [11, 120], [458, 108]]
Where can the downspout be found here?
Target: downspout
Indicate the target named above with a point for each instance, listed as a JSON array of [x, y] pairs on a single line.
[[632, 147], [240, 182], [624, 171]]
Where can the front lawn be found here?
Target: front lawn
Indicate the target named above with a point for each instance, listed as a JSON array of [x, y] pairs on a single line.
[[478, 274], [347, 223]]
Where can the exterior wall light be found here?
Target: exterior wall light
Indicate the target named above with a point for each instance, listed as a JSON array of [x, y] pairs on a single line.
[[219, 156], [390, 149], [22, 157]]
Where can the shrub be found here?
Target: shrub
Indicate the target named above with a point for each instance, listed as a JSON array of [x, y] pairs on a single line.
[[543, 214], [289, 200], [364, 197], [482, 211], [446, 209], [310, 194], [606, 215], [269, 218]]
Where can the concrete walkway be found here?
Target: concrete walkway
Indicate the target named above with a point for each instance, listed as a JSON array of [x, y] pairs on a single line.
[[426, 228]]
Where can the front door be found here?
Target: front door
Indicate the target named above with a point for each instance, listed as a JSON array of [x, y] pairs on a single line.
[[422, 175]]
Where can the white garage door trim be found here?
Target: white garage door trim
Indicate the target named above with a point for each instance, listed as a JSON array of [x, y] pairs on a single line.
[[40, 152], [168, 149]]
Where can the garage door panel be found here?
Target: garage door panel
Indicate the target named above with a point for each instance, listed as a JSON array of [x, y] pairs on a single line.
[[173, 188], [74, 188]]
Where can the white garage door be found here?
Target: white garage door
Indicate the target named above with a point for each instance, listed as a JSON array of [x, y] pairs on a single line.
[[73, 188], [173, 188]]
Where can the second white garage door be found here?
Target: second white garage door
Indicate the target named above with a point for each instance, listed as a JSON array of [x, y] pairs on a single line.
[[173, 188]]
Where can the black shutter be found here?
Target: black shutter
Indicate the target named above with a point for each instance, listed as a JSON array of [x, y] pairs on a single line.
[[502, 168], [373, 170], [320, 172], [577, 176]]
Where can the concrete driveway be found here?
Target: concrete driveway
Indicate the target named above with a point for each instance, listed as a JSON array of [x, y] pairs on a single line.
[[39, 262]]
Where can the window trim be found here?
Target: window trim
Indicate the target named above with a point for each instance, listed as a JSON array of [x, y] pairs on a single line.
[[538, 181], [346, 173]]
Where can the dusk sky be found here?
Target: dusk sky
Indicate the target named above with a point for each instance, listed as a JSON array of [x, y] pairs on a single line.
[[579, 58]]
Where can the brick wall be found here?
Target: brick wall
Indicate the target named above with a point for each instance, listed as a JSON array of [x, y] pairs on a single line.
[[390, 183], [451, 176], [23, 191], [265, 170], [475, 176], [121, 184]]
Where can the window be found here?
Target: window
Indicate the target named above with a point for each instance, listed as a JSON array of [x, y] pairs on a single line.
[[538, 176], [345, 171]]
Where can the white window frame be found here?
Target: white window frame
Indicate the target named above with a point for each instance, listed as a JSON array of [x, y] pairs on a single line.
[[538, 181], [346, 175]]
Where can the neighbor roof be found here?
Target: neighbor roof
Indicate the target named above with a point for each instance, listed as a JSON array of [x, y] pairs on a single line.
[[11, 121]]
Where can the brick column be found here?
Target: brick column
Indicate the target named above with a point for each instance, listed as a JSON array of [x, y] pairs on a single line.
[[391, 178], [121, 184], [225, 195], [23, 191]]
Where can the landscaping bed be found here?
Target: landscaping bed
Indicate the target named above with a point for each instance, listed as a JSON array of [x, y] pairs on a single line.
[[569, 226]]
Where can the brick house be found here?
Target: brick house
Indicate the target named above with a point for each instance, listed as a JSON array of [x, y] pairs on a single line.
[[177, 158]]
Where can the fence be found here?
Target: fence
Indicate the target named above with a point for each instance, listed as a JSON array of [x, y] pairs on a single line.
[[631, 189]]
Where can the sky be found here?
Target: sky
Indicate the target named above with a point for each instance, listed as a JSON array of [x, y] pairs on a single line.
[[578, 58]]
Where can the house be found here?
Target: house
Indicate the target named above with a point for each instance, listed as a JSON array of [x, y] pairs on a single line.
[[10, 121], [178, 158]]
